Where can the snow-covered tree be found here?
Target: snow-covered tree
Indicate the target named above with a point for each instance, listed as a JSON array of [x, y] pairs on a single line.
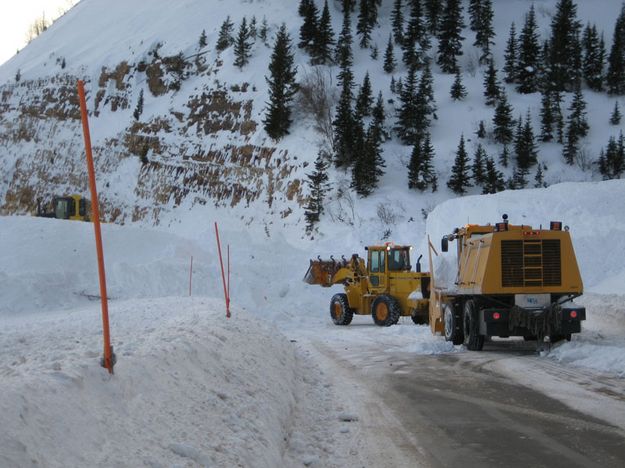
[[459, 181]]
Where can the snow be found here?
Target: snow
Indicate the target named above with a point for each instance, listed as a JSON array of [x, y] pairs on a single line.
[[190, 387]]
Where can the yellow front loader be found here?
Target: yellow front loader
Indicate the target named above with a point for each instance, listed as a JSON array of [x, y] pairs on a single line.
[[384, 287]]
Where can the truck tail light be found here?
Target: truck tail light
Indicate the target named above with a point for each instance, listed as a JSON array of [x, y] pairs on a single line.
[[573, 314], [496, 315]]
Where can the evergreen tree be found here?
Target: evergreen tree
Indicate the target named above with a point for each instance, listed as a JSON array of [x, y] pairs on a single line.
[[503, 121], [348, 6], [525, 145], [397, 22], [242, 46], [406, 126], [564, 47], [433, 9], [282, 86], [374, 52], [475, 11], [252, 28], [321, 53], [594, 58], [484, 31], [364, 26], [577, 127], [615, 118], [309, 30], [225, 38], [478, 168], [459, 180], [263, 31], [519, 179], [450, 38], [368, 164], [426, 89], [364, 100], [421, 174], [18, 75], [318, 185], [379, 118], [491, 85], [547, 118], [343, 54], [612, 161], [511, 57], [493, 180], [539, 180], [458, 91], [139, 109], [389, 58], [556, 101], [202, 42], [529, 53], [481, 130], [393, 85], [615, 77], [504, 157], [416, 39], [304, 6]]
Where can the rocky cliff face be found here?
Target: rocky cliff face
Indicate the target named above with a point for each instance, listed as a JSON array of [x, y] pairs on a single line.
[[196, 141]]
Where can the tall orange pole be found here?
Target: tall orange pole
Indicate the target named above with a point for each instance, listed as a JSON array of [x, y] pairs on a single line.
[[108, 360], [223, 275]]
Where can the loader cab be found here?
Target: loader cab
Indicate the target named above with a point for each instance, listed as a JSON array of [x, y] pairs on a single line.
[[385, 259], [376, 266], [73, 207]]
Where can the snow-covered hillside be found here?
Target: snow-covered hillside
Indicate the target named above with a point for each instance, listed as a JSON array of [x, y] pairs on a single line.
[[203, 148]]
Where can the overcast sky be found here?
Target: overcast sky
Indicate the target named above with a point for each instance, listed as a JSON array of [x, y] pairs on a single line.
[[16, 17]]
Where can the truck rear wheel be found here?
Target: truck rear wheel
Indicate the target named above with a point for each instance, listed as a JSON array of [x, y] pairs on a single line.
[[472, 338], [385, 310], [340, 311], [453, 325]]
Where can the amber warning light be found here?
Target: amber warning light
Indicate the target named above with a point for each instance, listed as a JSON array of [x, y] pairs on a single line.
[[555, 226]]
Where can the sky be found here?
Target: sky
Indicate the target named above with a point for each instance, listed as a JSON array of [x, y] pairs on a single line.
[[17, 16]]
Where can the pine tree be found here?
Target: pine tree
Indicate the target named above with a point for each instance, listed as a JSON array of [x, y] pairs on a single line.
[[421, 174], [368, 164], [539, 179], [416, 40], [593, 58], [504, 157], [519, 178], [321, 53], [478, 168], [309, 30], [511, 57], [348, 6], [379, 118], [18, 75], [318, 185], [577, 127], [525, 145], [615, 77], [612, 161], [484, 31], [615, 118], [407, 113], [426, 89], [344, 128], [282, 86], [397, 22], [139, 109], [564, 47], [263, 31], [481, 130], [202, 42], [529, 52], [556, 101], [393, 85], [252, 28], [364, 100], [225, 38], [493, 180], [450, 38], [459, 180], [304, 5], [503, 121], [343, 53], [492, 90], [389, 58], [475, 11], [458, 91], [547, 119], [364, 25], [433, 10], [242, 46]]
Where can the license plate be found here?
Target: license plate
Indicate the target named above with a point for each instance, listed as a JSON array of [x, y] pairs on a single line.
[[532, 301]]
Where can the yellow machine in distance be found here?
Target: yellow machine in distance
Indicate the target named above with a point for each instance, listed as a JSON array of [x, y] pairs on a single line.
[[72, 207], [384, 286]]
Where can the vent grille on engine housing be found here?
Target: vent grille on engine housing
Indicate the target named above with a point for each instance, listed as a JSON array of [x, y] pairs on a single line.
[[530, 263]]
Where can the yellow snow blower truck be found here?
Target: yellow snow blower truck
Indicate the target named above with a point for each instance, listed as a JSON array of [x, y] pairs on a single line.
[[384, 287], [72, 207], [510, 281]]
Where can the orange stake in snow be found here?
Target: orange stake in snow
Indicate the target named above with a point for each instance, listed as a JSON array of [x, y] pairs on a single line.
[[223, 275], [109, 357]]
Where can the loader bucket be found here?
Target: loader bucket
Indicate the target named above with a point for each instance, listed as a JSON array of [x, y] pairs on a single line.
[[321, 272]]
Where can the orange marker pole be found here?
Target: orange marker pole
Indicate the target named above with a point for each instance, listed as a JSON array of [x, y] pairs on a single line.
[[191, 275], [108, 360], [223, 276]]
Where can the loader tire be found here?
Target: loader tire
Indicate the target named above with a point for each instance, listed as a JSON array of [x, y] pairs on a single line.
[[385, 310], [472, 338], [340, 311], [453, 325]]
